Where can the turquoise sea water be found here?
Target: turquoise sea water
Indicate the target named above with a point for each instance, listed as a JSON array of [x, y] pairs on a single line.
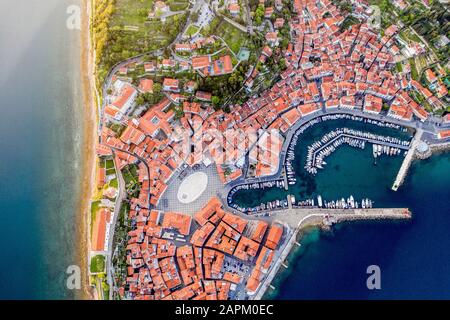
[[40, 134], [413, 255], [348, 171]]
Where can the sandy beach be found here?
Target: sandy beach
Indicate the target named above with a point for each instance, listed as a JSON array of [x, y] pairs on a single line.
[[89, 142]]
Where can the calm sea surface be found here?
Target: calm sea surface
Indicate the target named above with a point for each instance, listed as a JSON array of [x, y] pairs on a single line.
[[40, 134]]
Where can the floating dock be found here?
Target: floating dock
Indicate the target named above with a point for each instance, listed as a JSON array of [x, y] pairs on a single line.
[[286, 184], [407, 161]]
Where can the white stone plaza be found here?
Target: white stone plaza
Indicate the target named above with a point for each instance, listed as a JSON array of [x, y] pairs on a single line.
[[192, 187]]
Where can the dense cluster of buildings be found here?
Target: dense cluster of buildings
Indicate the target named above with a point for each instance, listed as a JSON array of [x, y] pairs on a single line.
[[206, 66], [224, 255], [169, 255]]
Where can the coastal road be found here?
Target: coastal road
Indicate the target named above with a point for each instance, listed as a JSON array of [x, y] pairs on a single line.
[[109, 255]]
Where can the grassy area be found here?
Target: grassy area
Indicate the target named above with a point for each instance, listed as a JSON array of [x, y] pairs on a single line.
[[177, 5], [234, 37], [94, 209], [131, 177], [128, 32], [410, 36], [387, 12], [114, 183], [191, 30], [122, 228], [429, 23], [98, 263], [348, 22], [117, 128], [124, 208], [130, 174], [105, 289], [132, 12], [414, 73], [109, 164]]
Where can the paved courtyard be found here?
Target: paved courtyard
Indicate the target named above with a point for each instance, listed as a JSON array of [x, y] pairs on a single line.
[[169, 201], [192, 187]]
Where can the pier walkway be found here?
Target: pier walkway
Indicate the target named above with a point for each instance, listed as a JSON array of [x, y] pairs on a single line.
[[299, 217], [407, 161]]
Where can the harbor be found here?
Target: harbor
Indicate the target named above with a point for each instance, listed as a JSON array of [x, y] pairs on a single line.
[[328, 143], [321, 149], [291, 203], [355, 187], [273, 205], [294, 183], [343, 203]]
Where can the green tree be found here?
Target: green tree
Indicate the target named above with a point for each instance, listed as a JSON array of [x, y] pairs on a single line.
[[140, 100], [215, 101]]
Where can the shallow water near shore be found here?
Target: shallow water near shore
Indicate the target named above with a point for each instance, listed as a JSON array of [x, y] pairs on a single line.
[[41, 128]]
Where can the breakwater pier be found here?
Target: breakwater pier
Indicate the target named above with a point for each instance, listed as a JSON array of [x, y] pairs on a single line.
[[407, 161], [298, 219]]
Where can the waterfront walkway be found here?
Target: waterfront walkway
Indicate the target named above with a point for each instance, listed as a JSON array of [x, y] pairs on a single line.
[[407, 161]]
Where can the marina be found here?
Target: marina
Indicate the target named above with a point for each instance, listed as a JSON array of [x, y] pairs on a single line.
[[291, 203], [318, 150], [273, 205], [321, 149], [306, 159], [343, 195]]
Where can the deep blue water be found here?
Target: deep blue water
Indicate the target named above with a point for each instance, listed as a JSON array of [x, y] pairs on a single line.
[[413, 256], [40, 134]]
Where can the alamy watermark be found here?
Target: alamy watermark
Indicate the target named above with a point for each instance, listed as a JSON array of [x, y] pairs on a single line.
[[374, 280], [73, 21], [73, 281]]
